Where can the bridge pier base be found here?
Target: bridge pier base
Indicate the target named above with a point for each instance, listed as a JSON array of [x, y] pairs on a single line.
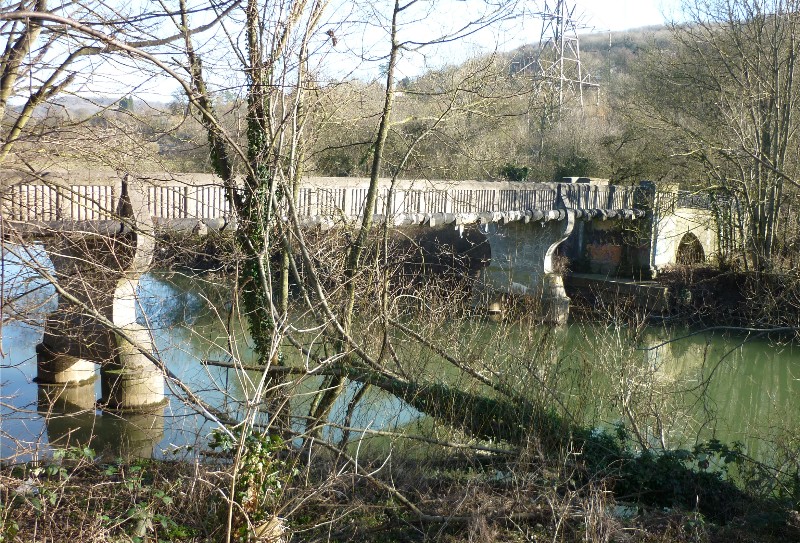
[[74, 342], [130, 381], [55, 368], [555, 302]]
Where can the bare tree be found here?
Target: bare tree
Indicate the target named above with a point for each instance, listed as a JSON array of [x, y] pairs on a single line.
[[730, 92], [260, 171], [345, 326]]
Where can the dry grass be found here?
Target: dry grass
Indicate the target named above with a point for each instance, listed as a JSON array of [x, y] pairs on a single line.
[[464, 496], [83, 501]]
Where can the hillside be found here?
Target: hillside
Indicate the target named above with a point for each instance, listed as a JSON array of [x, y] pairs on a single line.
[[470, 121]]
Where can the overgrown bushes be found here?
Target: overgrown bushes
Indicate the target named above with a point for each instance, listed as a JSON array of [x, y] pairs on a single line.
[[709, 296]]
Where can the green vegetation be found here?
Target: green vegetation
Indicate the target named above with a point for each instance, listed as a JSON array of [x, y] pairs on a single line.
[[606, 489], [514, 173], [711, 104]]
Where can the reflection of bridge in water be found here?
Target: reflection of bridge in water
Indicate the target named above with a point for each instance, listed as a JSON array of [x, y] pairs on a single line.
[[71, 419], [734, 387], [99, 231]]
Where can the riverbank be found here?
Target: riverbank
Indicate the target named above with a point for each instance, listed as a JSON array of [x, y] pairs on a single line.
[[694, 296], [470, 496], [710, 297], [528, 494]]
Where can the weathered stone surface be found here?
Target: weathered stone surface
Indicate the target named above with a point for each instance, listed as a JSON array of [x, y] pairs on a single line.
[[522, 263], [62, 369], [131, 381], [97, 277]]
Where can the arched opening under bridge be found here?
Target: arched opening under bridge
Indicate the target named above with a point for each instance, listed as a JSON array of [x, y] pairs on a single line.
[[690, 251]]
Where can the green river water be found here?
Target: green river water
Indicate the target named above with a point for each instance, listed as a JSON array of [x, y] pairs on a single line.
[[695, 387]]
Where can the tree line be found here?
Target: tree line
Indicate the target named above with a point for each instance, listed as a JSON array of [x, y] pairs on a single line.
[[713, 106]]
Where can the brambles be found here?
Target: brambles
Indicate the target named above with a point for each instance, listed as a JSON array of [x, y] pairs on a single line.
[[74, 495]]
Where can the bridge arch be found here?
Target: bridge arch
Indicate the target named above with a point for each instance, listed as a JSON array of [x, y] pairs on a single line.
[[690, 250]]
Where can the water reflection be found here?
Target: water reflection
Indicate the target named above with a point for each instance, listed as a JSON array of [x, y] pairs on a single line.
[[700, 386], [71, 419], [732, 387]]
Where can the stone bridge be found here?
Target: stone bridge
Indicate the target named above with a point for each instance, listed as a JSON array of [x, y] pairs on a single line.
[[611, 229]]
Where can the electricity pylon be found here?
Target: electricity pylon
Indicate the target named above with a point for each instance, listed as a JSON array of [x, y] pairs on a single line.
[[559, 59]]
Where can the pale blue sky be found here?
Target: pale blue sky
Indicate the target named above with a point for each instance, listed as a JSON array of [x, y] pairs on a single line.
[[360, 42], [594, 15], [624, 14]]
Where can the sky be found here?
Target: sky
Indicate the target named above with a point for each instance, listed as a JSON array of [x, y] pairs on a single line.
[[623, 14], [592, 16], [369, 41]]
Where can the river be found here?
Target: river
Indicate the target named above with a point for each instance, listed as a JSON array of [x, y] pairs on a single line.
[[693, 387]]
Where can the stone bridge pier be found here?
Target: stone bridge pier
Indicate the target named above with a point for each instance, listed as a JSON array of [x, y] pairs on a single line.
[[97, 274], [523, 261]]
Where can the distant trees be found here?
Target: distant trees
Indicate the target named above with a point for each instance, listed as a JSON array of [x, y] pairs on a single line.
[[728, 91], [264, 124], [460, 122]]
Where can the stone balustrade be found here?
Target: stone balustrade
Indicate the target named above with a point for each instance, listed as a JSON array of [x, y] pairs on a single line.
[[185, 199]]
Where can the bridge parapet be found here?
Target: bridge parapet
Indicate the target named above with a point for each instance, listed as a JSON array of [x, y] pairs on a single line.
[[326, 196], [189, 198], [79, 196], [600, 197], [52, 202]]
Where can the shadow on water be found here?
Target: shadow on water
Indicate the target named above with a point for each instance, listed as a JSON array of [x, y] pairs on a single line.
[[702, 386]]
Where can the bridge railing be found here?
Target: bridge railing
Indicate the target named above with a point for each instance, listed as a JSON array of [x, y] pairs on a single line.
[[587, 196], [700, 200], [350, 201], [188, 202], [200, 196], [97, 197], [42, 202]]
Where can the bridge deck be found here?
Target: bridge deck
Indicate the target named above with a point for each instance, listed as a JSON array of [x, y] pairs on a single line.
[[69, 201]]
